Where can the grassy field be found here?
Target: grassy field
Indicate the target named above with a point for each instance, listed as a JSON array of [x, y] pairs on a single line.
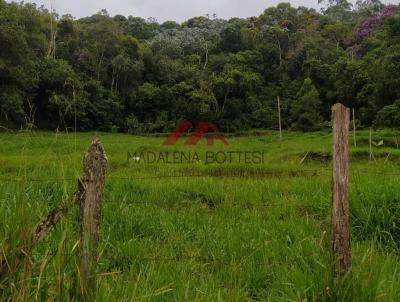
[[198, 231]]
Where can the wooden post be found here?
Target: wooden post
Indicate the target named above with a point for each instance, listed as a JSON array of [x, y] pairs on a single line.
[[43, 228], [279, 117], [90, 188], [370, 144], [341, 244], [354, 129]]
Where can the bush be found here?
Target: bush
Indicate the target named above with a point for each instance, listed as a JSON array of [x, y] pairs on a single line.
[[389, 116]]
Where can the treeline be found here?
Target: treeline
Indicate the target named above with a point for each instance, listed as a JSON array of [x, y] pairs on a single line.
[[130, 74]]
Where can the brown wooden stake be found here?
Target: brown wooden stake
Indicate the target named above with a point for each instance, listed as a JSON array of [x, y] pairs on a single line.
[[43, 228], [90, 188], [46, 224], [370, 144], [354, 130], [279, 117], [341, 244]]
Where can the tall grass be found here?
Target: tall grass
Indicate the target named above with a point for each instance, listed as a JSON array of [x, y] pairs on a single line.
[[231, 233]]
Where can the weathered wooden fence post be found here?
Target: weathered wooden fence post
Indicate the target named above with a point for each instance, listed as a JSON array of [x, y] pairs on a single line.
[[279, 118], [370, 144], [341, 244], [354, 129], [90, 189]]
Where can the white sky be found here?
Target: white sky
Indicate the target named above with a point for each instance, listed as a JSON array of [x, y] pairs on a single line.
[[178, 10]]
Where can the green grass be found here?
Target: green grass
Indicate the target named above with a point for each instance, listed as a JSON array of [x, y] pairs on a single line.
[[231, 232]]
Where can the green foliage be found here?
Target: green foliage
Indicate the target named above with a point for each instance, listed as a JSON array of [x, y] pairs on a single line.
[[305, 109], [99, 71], [11, 105], [389, 116]]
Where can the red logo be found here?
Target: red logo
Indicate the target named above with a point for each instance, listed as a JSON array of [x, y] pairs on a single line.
[[199, 132]]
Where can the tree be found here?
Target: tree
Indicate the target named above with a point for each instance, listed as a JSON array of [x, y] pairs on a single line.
[[338, 10], [389, 116], [305, 110], [107, 72], [141, 28], [60, 94]]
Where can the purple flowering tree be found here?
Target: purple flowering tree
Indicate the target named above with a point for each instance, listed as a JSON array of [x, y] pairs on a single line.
[[370, 23]]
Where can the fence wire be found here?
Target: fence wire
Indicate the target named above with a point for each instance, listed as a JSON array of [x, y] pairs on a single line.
[[216, 174]]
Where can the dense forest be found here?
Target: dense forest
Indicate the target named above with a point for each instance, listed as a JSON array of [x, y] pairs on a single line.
[[117, 73]]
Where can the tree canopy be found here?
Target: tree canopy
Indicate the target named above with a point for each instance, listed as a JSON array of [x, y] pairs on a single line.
[[136, 75]]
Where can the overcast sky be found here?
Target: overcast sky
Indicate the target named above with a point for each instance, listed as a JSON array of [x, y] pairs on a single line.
[[178, 10]]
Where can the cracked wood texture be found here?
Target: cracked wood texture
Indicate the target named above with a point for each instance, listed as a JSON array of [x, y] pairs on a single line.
[[46, 224], [90, 189], [341, 244]]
